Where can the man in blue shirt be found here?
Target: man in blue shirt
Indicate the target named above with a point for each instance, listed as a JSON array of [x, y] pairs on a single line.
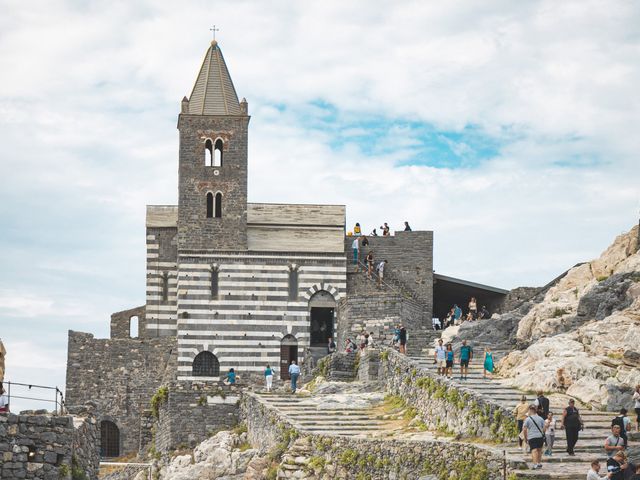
[[466, 354], [457, 313], [294, 371]]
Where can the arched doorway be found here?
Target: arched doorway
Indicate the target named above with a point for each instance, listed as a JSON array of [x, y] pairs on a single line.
[[205, 364], [109, 439], [322, 307], [288, 352]]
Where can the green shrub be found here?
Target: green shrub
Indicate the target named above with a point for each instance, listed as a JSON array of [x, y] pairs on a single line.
[[348, 457], [158, 399], [559, 312]]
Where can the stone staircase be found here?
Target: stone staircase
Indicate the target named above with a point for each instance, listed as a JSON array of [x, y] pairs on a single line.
[[310, 414], [560, 465]]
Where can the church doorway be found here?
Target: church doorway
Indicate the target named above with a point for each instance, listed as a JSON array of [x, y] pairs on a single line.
[[322, 308], [288, 352]]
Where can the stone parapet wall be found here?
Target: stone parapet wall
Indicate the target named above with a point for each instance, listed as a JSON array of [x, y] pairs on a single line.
[[121, 323], [45, 446], [192, 413], [330, 457], [119, 376], [442, 405], [368, 365]]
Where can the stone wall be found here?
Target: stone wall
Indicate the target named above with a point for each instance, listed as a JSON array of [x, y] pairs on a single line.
[[121, 323], [368, 365], [119, 375], [191, 413], [410, 257], [45, 446], [342, 458], [517, 297], [442, 405]]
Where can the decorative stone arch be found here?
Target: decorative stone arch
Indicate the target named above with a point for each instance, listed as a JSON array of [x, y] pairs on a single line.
[[288, 352], [322, 312], [317, 287]]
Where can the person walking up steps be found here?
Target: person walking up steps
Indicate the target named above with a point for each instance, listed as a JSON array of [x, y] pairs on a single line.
[[572, 423], [488, 362], [440, 358], [380, 271], [533, 429], [466, 355], [624, 423], [403, 339], [294, 372], [550, 433], [268, 377], [542, 403], [356, 249], [520, 412]]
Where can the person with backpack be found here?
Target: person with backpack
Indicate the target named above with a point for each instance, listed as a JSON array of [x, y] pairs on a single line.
[[624, 423], [466, 355], [614, 442], [403, 339], [542, 403], [533, 432], [572, 424]]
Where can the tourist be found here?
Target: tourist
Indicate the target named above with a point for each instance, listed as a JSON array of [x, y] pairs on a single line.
[[624, 423], [380, 271], [361, 341], [488, 362], [532, 430], [356, 249], [450, 360], [231, 377], [572, 423], [365, 241], [369, 259], [550, 433], [617, 466], [403, 339], [520, 412], [594, 472], [484, 313], [457, 314], [448, 321], [396, 335], [636, 406], [373, 233], [268, 377], [614, 442], [349, 346], [440, 358], [4, 400], [366, 340], [294, 372], [407, 228], [331, 346], [385, 230], [473, 308], [466, 355], [468, 317], [435, 323], [371, 343], [357, 231], [542, 403]]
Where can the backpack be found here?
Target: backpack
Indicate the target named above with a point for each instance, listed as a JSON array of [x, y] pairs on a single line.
[[543, 406], [620, 422]]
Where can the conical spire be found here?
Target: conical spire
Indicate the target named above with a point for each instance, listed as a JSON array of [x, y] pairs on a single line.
[[213, 92]]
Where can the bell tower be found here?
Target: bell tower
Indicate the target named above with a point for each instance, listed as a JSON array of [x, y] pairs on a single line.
[[212, 171]]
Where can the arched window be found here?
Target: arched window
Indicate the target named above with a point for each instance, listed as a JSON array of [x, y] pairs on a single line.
[[206, 364], [133, 326], [218, 205], [214, 280], [109, 439], [209, 205], [208, 153], [165, 286], [293, 282], [217, 153]]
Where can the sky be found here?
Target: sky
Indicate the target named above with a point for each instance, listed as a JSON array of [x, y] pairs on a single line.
[[510, 129]]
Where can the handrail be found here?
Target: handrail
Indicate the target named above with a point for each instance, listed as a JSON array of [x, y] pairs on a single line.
[[393, 288], [58, 399]]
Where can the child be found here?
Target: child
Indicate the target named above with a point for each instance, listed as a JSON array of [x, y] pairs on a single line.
[[550, 433], [231, 377]]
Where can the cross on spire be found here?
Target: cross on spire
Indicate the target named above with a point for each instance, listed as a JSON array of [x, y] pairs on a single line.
[[214, 30]]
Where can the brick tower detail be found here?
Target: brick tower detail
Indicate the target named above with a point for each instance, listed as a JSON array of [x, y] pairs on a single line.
[[212, 170]]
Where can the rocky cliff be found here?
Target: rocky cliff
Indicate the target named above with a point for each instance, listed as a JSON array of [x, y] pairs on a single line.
[[583, 336]]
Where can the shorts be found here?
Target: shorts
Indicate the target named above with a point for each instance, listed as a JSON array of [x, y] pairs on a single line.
[[403, 342], [464, 363], [442, 363], [536, 443], [449, 363]]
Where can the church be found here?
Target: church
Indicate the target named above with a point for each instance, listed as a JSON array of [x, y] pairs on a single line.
[[233, 284]]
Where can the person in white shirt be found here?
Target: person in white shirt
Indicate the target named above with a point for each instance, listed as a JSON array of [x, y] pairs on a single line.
[[636, 406], [356, 249], [371, 343], [380, 271], [594, 472], [440, 358]]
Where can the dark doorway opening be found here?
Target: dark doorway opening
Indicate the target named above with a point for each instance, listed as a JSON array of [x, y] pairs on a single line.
[[288, 352], [321, 326], [109, 439], [449, 291]]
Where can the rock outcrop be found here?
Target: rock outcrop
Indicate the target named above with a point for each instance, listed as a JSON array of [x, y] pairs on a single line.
[[582, 337]]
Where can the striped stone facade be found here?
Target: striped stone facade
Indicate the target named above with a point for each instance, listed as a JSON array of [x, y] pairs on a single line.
[[244, 324]]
